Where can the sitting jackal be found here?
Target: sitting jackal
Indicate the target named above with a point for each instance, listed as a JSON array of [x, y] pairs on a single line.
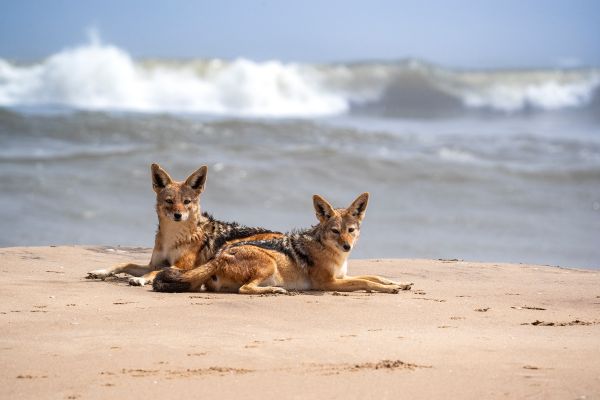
[[186, 238]]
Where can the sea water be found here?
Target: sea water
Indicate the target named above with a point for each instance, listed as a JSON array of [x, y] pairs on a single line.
[[489, 165]]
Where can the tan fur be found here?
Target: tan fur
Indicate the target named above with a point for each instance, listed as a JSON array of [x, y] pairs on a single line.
[[182, 229], [251, 269]]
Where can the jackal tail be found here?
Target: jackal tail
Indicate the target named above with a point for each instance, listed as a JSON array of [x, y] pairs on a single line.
[[175, 280]]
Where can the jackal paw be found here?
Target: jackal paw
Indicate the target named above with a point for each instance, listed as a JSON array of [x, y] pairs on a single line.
[[279, 290], [98, 274], [398, 287], [135, 281]]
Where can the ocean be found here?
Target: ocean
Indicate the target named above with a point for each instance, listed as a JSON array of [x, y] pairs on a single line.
[[485, 165]]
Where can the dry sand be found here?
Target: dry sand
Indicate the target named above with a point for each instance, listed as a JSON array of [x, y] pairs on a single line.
[[466, 330]]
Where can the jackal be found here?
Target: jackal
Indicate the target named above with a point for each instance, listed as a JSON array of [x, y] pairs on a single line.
[[311, 259], [186, 238]]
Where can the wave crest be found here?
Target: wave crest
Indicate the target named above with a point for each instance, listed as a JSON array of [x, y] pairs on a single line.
[[98, 76]]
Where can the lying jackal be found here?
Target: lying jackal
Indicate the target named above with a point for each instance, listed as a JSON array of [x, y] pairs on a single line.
[[315, 258]]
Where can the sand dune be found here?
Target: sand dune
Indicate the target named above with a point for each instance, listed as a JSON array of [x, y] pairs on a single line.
[[466, 330]]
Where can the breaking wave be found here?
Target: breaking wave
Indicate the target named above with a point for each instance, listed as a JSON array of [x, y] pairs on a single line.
[[98, 76]]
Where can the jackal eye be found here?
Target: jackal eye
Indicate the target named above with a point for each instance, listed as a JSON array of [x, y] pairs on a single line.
[[169, 201], [336, 231], [187, 201], [350, 229]]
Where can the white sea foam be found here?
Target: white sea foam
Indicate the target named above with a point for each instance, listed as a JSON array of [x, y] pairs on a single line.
[[99, 76], [458, 156], [548, 95]]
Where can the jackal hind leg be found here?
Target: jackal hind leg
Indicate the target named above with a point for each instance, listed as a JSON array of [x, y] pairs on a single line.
[[253, 288], [267, 269]]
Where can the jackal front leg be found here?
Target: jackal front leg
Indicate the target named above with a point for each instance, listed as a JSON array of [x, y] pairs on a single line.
[[128, 268], [349, 284], [384, 281], [144, 279]]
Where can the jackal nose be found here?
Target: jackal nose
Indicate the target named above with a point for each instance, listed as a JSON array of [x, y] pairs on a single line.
[[177, 216], [346, 247]]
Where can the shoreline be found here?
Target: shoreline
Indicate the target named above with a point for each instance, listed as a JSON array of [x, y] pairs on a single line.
[[465, 330]]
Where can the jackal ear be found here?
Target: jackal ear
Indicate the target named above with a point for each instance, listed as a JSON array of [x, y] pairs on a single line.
[[197, 180], [359, 206], [160, 178], [323, 209]]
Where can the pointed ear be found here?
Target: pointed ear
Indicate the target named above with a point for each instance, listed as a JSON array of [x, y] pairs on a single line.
[[197, 179], [323, 209], [160, 178], [359, 206]]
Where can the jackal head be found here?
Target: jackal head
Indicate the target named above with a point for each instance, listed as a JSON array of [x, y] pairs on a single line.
[[340, 227], [175, 200]]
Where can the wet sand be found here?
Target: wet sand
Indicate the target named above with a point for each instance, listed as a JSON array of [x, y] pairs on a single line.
[[466, 330]]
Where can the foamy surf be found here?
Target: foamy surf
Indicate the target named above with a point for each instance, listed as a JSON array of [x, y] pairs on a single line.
[[105, 77], [98, 76]]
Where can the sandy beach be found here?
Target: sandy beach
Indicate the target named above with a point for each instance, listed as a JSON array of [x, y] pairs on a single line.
[[466, 330]]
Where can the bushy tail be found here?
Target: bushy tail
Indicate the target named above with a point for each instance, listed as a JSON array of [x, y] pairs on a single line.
[[174, 280]]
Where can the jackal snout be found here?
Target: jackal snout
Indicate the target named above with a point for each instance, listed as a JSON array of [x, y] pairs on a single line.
[[179, 213], [345, 241]]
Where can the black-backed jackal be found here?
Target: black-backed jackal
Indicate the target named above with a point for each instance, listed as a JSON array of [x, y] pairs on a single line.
[[186, 238], [312, 259]]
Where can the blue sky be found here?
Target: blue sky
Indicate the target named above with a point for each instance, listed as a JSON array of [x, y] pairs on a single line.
[[459, 33]]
